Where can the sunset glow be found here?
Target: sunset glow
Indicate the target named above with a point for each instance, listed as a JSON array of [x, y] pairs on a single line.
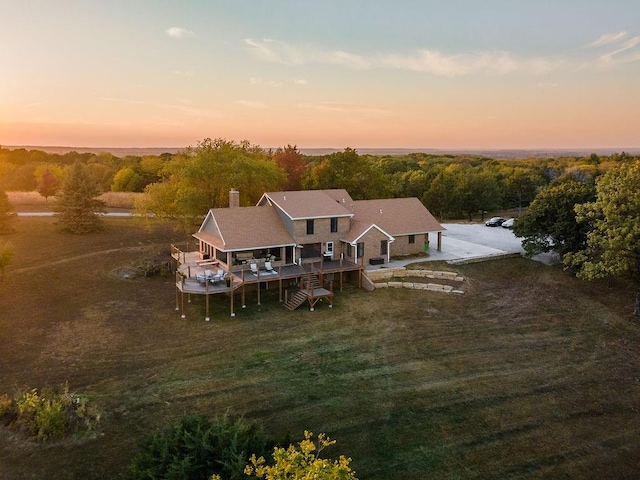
[[457, 74]]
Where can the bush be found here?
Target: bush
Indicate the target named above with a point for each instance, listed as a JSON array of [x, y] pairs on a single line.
[[49, 414], [197, 448]]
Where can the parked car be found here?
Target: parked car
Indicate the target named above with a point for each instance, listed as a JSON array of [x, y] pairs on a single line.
[[494, 222], [508, 223]]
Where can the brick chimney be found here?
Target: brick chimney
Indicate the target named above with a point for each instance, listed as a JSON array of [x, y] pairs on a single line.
[[234, 198]]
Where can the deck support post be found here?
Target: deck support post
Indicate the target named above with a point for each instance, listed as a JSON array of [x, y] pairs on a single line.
[[183, 315], [244, 303], [258, 289], [206, 301], [279, 286], [439, 241]]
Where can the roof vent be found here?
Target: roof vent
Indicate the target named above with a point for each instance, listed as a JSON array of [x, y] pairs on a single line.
[[285, 198], [380, 211]]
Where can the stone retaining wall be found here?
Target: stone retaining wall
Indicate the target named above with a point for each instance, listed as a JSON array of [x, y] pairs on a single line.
[[385, 278]]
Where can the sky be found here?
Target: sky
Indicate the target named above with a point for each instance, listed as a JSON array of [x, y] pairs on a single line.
[[448, 74]]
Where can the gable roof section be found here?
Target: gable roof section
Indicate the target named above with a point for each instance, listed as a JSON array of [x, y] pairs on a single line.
[[243, 228], [394, 216], [307, 204]]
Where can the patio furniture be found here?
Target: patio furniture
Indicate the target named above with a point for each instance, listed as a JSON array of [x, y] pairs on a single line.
[[218, 277], [268, 267], [208, 274], [254, 268], [201, 278]]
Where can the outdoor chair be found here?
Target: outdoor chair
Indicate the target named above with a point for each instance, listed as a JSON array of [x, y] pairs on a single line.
[[268, 267], [208, 274], [201, 278], [254, 268], [218, 277]]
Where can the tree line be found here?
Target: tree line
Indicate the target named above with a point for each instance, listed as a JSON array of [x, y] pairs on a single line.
[[199, 177]]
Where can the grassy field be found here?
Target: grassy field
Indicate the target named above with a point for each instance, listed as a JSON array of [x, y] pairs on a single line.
[[530, 374], [33, 201]]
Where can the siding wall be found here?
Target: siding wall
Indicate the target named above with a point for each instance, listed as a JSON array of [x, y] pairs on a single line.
[[321, 232], [401, 245]]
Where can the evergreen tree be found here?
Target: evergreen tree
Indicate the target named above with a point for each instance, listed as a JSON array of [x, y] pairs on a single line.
[[6, 213], [6, 256], [77, 205]]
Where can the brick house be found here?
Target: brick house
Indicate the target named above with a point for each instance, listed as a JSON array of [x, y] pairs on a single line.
[[298, 227]]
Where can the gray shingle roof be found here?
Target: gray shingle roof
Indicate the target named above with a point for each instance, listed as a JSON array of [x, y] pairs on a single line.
[[303, 204], [244, 228], [396, 216]]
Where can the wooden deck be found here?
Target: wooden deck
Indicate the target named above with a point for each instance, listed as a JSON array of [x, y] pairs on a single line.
[[187, 283], [189, 266]]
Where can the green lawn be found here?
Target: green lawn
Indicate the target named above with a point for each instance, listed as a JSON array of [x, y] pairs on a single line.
[[530, 374]]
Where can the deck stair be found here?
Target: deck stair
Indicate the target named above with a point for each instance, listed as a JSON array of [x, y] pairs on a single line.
[[308, 284], [296, 300]]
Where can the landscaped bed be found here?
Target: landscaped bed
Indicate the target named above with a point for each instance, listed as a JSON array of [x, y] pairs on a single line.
[[530, 374]]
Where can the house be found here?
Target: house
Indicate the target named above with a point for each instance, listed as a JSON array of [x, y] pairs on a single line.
[[300, 227]]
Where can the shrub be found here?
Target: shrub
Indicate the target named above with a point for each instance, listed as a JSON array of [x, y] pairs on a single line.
[[49, 414], [197, 448]]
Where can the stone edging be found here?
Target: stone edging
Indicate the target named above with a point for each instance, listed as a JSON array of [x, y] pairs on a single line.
[[377, 277]]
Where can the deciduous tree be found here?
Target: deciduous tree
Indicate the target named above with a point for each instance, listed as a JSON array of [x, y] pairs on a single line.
[[127, 180], [550, 222], [48, 184], [290, 160], [613, 242], [77, 204], [302, 462], [199, 178], [358, 175]]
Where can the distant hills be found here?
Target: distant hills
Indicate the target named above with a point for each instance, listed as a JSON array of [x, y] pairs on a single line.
[[491, 153]]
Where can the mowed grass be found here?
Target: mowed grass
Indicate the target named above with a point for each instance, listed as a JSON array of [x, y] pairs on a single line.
[[530, 374]]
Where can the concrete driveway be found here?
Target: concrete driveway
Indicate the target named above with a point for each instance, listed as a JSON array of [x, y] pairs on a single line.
[[462, 242], [469, 241]]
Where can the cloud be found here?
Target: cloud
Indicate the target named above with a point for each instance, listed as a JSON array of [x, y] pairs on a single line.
[[251, 104], [276, 83], [425, 60], [346, 108], [280, 52], [607, 38], [622, 49], [178, 32]]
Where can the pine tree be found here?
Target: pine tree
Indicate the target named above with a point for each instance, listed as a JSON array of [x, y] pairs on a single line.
[[6, 213], [77, 205]]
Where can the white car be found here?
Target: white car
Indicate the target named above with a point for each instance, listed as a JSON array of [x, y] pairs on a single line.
[[508, 223]]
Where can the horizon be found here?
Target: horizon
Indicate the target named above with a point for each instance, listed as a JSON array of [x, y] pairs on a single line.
[[452, 77]]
